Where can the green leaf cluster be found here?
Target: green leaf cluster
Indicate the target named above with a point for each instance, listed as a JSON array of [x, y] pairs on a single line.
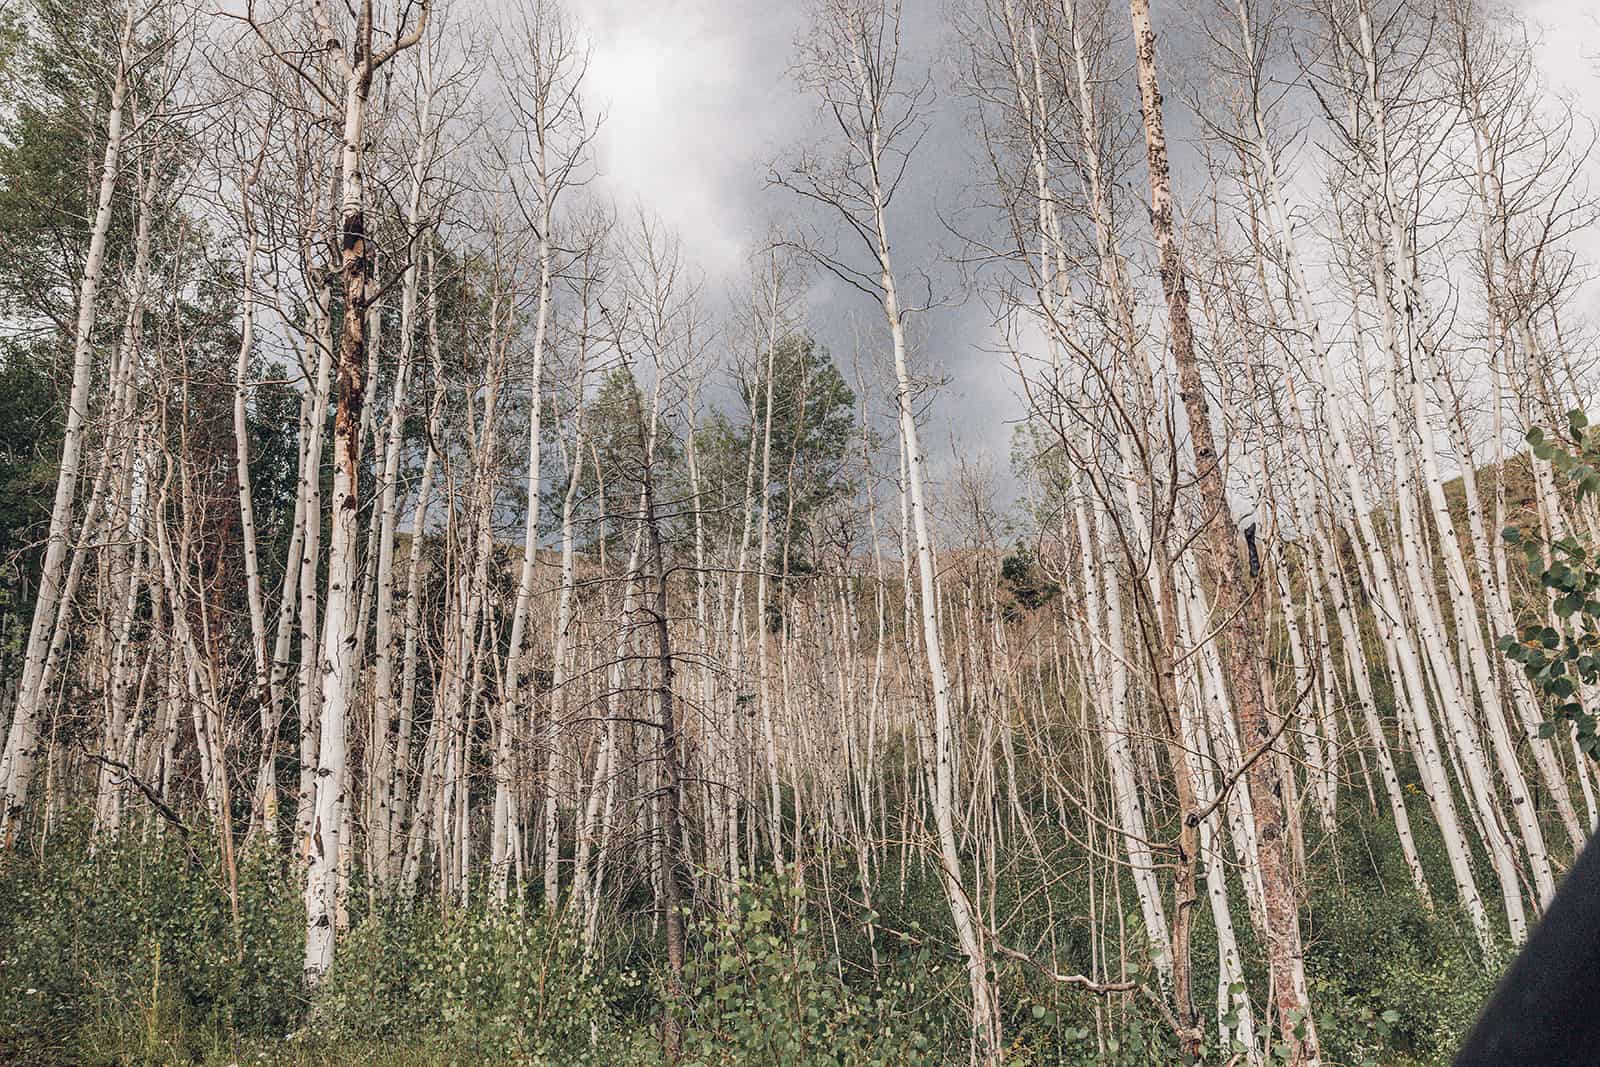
[[1559, 651]]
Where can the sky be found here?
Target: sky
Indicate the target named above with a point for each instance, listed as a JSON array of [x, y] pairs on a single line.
[[1566, 36], [699, 104]]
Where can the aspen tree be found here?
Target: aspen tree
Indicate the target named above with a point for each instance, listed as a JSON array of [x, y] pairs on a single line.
[[1400, 649], [357, 67], [1128, 404], [561, 673], [264, 680], [852, 68], [770, 324], [544, 89], [387, 702], [1491, 70], [1285, 955], [671, 796], [1416, 559], [1468, 623]]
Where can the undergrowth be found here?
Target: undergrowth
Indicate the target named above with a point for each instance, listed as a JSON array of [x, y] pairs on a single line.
[[130, 955]]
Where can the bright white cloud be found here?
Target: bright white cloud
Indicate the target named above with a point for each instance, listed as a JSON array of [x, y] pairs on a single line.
[[696, 102]]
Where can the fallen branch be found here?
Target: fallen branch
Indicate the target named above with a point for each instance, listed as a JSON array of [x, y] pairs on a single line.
[[1190, 1037]]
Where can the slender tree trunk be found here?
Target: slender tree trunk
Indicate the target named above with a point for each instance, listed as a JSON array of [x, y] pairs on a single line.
[[339, 636], [1238, 595]]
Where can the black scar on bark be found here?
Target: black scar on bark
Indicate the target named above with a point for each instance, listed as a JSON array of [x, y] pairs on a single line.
[[351, 369], [352, 397], [355, 230]]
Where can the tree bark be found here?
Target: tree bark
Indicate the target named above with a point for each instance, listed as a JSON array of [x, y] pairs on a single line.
[[1238, 596]]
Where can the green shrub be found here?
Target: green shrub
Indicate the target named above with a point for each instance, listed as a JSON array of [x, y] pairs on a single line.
[[1393, 982], [130, 956], [476, 984], [766, 988], [134, 946]]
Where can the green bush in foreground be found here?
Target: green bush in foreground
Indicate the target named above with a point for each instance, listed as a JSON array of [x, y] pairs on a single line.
[[130, 956]]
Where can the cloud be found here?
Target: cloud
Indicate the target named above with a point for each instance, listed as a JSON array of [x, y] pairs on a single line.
[[696, 102], [698, 105]]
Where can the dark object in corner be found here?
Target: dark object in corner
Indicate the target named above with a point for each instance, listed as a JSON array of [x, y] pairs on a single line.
[[1546, 1012], [1250, 543]]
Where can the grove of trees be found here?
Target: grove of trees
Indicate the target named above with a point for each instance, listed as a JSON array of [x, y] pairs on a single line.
[[435, 620]]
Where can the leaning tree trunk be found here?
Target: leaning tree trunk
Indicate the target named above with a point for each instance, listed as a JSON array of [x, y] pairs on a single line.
[[1238, 597], [22, 740]]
